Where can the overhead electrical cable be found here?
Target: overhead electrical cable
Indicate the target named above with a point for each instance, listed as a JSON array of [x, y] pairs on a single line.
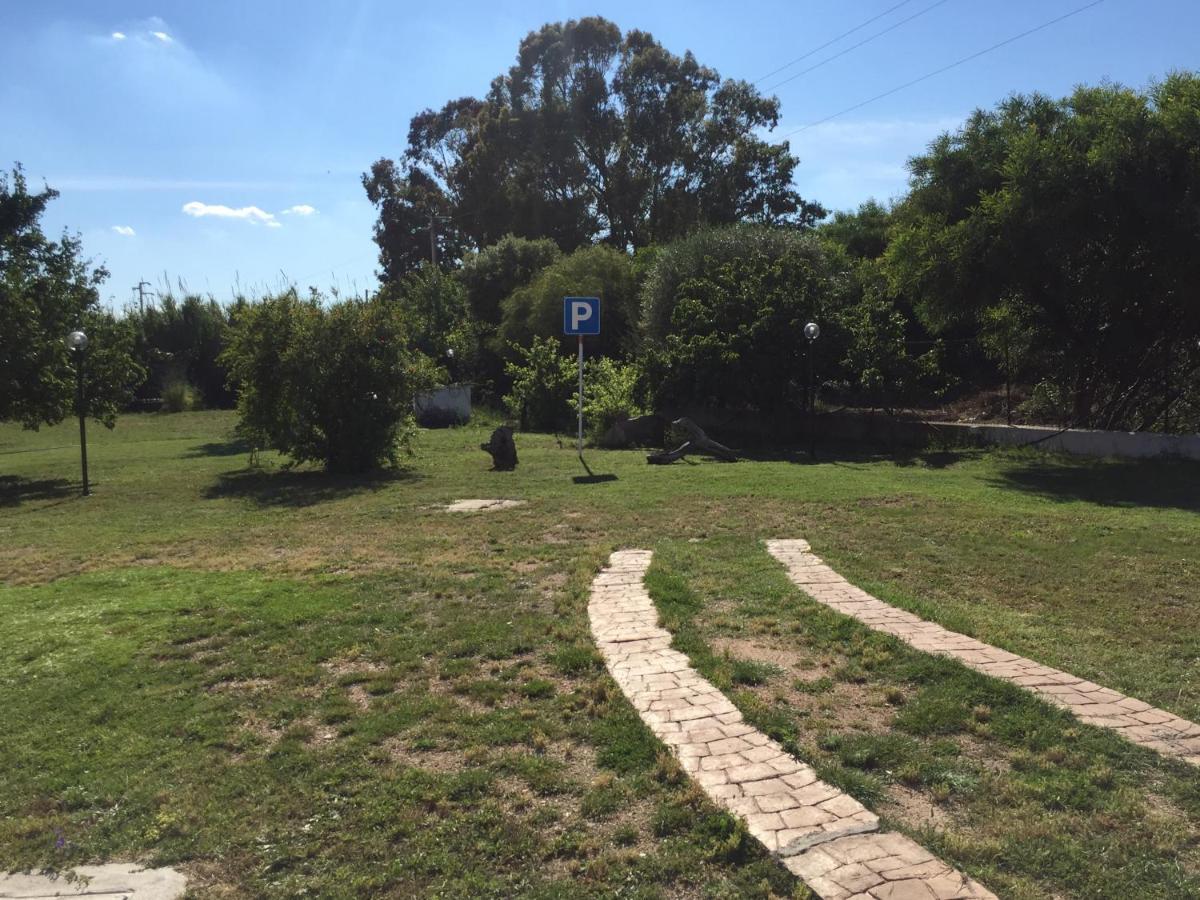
[[946, 68], [833, 41], [854, 47]]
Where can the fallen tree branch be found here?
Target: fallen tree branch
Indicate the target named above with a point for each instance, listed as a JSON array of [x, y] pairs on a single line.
[[699, 442]]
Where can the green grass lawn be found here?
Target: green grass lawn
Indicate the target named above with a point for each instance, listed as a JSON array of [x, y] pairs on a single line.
[[291, 684]]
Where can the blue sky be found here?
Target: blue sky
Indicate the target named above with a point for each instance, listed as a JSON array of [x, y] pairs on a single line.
[[222, 143]]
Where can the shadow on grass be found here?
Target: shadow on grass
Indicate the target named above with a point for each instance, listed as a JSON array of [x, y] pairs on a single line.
[[233, 447], [1165, 484], [15, 490], [300, 488], [904, 457]]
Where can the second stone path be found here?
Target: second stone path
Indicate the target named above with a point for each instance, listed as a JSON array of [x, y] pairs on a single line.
[[1133, 719]]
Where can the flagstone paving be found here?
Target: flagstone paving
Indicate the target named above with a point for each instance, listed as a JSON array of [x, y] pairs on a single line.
[[1133, 719], [824, 836], [113, 881], [482, 505]]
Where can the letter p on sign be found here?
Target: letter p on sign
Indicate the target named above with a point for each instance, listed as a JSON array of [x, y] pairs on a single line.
[[581, 315]]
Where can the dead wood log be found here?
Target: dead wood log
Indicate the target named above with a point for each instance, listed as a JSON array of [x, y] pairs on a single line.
[[698, 442]]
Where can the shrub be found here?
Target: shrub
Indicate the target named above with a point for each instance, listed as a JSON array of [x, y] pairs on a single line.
[[542, 380], [179, 396], [333, 385], [609, 395], [535, 310], [724, 313]]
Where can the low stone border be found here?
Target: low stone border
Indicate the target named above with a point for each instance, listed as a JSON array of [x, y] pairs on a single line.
[[117, 881], [821, 834], [1132, 719]]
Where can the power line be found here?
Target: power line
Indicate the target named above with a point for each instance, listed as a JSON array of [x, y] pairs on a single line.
[[854, 47], [829, 43], [946, 68]]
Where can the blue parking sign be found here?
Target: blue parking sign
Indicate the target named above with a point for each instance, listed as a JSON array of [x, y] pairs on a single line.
[[581, 315]]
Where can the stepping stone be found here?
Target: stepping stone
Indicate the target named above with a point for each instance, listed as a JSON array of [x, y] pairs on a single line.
[[114, 881], [482, 505]]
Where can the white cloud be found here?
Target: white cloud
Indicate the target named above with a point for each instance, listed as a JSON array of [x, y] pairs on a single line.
[[118, 35], [124, 230], [251, 214], [162, 36], [300, 209]]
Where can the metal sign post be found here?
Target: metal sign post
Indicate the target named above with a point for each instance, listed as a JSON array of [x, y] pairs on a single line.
[[580, 429], [581, 315]]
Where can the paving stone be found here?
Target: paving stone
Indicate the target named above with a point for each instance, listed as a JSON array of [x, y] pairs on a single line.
[[108, 882], [1133, 719], [823, 835]]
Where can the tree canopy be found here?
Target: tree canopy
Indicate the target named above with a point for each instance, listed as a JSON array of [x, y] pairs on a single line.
[[47, 290], [1074, 222], [593, 135]]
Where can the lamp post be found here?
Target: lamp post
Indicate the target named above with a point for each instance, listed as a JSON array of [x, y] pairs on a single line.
[[812, 331], [78, 342]]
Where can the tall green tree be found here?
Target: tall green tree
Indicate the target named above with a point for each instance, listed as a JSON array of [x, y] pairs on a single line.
[[593, 135], [1078, 219], [862, 233], [48, 289]]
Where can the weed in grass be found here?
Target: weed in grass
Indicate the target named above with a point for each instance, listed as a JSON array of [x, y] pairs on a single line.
[[822, 685], [748, 672]]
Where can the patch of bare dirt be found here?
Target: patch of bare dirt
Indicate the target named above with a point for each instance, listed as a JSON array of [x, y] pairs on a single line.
[[261, 729], [439, 761], [757, 651], [353, 666], [914, 808], [241, 685], [551, 585], [319, 734]]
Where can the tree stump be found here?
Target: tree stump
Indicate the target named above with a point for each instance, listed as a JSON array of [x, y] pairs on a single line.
[[502, 448]]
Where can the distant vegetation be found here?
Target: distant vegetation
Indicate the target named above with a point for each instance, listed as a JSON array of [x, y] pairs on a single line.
[[1047, 243]]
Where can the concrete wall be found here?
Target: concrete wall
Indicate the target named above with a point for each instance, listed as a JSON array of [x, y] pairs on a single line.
[[444, 405], [1126, 444], [881, 429]]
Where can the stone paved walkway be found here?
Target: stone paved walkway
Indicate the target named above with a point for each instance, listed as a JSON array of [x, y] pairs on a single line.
[[1132, 719], [821, 834]]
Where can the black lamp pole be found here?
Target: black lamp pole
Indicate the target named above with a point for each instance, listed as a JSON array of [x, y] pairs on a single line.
[[811, 332], [77, 341]]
